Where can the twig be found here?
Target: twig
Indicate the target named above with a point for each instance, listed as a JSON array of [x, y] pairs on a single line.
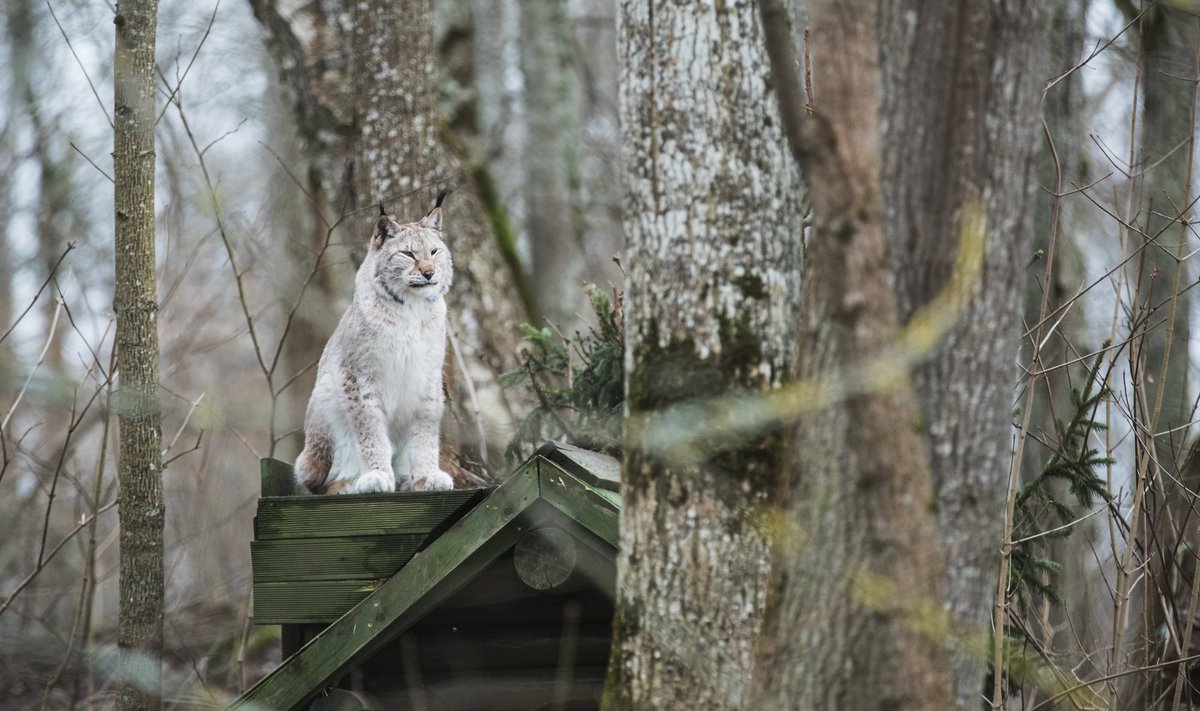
[[49, 277], [476, 411], [75, 421], [1123, 581], [299, 374], [81, 627], [311, 200], [1065, 526], [32, 371], [89, 160], [171, 96], [223, 136], [81, 67], [1194, 593], [193, 448], [526, 363], [50, 556], [1096, 52], [225, 240], [192, 409], [1116, 675], [291, 314]]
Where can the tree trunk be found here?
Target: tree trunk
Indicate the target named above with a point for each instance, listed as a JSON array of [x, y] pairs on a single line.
[[1169, 38], [599, 145], [962, 119], [713, 256], [139, 627], [365, 96], [550, 158], [855, 582]]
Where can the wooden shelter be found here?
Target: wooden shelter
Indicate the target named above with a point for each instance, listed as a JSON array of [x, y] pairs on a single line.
[[472, 599]]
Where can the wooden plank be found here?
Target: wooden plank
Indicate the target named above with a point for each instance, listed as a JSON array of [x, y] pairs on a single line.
[[581, 502], [360, 514], [595, 469], [450, 561], [342, 558], [276, 478], [308, 602]]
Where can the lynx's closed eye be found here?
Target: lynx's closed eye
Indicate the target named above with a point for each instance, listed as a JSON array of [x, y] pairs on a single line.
[[408, 254], [434, 251]]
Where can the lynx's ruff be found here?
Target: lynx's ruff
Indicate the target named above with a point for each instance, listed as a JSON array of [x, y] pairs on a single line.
[[378, 396]]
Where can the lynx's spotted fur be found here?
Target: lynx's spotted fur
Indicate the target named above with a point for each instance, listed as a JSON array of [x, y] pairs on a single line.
[[377, 403]]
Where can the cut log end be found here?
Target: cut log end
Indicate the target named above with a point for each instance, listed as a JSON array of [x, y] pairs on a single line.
[[545, 558]]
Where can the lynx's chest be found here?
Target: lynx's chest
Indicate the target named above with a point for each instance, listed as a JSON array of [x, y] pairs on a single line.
[[406, 356]]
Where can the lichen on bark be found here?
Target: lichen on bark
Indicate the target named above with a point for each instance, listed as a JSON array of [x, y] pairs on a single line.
[[713, 258]]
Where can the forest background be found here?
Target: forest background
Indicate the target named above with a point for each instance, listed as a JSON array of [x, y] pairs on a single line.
[[1034, 184]]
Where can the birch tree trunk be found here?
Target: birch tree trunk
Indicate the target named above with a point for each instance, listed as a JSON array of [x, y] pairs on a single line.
[[713, 255], [856, 574], [962, 120], [140, 504], [365, 95]]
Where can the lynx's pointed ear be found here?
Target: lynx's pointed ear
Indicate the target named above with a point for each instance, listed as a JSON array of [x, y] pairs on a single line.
[[385, 229], [433, 220]]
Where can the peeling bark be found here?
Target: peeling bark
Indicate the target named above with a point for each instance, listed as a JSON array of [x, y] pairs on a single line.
[[713, 256]]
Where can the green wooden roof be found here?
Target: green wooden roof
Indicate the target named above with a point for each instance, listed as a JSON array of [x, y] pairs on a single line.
[[557, 480]]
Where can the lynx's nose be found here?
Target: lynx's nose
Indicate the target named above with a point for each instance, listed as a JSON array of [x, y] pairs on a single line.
[[428, 274]]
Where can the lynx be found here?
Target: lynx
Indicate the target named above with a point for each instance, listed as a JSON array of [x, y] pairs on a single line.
[[377, 402]]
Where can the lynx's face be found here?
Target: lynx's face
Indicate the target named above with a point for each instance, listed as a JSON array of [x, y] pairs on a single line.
[[410, 259]]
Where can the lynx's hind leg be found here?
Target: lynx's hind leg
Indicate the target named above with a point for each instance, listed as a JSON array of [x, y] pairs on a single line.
[[312, 466]]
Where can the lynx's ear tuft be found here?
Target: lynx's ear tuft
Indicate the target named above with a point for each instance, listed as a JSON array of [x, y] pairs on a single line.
[[381, 210], [433, 220], [385, 229]]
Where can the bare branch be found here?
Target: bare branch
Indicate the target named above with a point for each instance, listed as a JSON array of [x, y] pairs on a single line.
[[40, 359], [89, 160], [171, 96], [49, 277], [80, 63], [50, 556]]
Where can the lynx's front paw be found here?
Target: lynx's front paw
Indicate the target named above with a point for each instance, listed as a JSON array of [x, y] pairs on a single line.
[[438, 481], [370, 482]]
